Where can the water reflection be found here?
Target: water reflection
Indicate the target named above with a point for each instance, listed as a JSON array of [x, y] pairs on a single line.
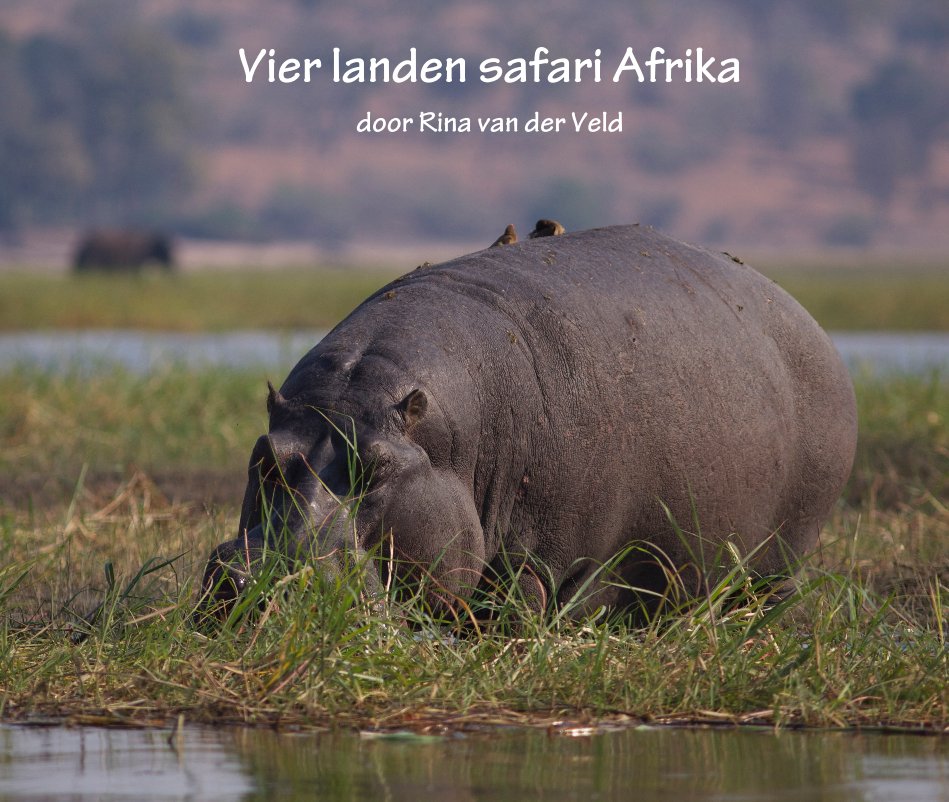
[[97, 763], [646, 764], [658, 764]]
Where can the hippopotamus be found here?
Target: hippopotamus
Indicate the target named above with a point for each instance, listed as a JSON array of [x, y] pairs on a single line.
[[592, 413], [122, 249]]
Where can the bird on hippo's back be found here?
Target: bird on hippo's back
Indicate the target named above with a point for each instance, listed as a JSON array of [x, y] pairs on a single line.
[[509, 237]]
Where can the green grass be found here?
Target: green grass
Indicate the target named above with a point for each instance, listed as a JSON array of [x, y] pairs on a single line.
[[875, 296], [54, 423], [874, 301], [863, 644], [206, 301]]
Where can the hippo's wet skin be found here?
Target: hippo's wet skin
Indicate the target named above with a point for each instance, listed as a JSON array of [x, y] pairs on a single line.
[[550, 403]]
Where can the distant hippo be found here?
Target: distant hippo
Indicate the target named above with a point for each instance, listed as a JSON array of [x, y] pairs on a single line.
[[543, 407], [123, 250]]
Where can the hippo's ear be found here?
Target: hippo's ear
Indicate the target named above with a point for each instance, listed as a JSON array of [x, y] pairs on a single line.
[[413, 407], [273, 398]]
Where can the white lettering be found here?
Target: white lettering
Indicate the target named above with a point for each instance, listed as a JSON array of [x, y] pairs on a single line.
[[629, 62], [250, 70], [378, 125], [729, 73]]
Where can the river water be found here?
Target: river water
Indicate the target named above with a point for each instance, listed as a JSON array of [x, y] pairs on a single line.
[[147, 351], [641, 763]]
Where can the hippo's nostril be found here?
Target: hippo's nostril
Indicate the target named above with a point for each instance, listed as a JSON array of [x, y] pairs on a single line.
[[223, 584], [229, 582]]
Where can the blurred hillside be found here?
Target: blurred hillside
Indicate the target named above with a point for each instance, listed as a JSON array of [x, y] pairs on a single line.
[[837, 134]]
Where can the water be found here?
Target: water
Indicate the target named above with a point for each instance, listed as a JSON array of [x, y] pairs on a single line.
[[147, 351], [645, 764], [98, 763], [893, 350], [144, 352]]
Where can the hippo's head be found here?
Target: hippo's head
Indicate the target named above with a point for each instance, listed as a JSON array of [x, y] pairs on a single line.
[[333, 485]]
